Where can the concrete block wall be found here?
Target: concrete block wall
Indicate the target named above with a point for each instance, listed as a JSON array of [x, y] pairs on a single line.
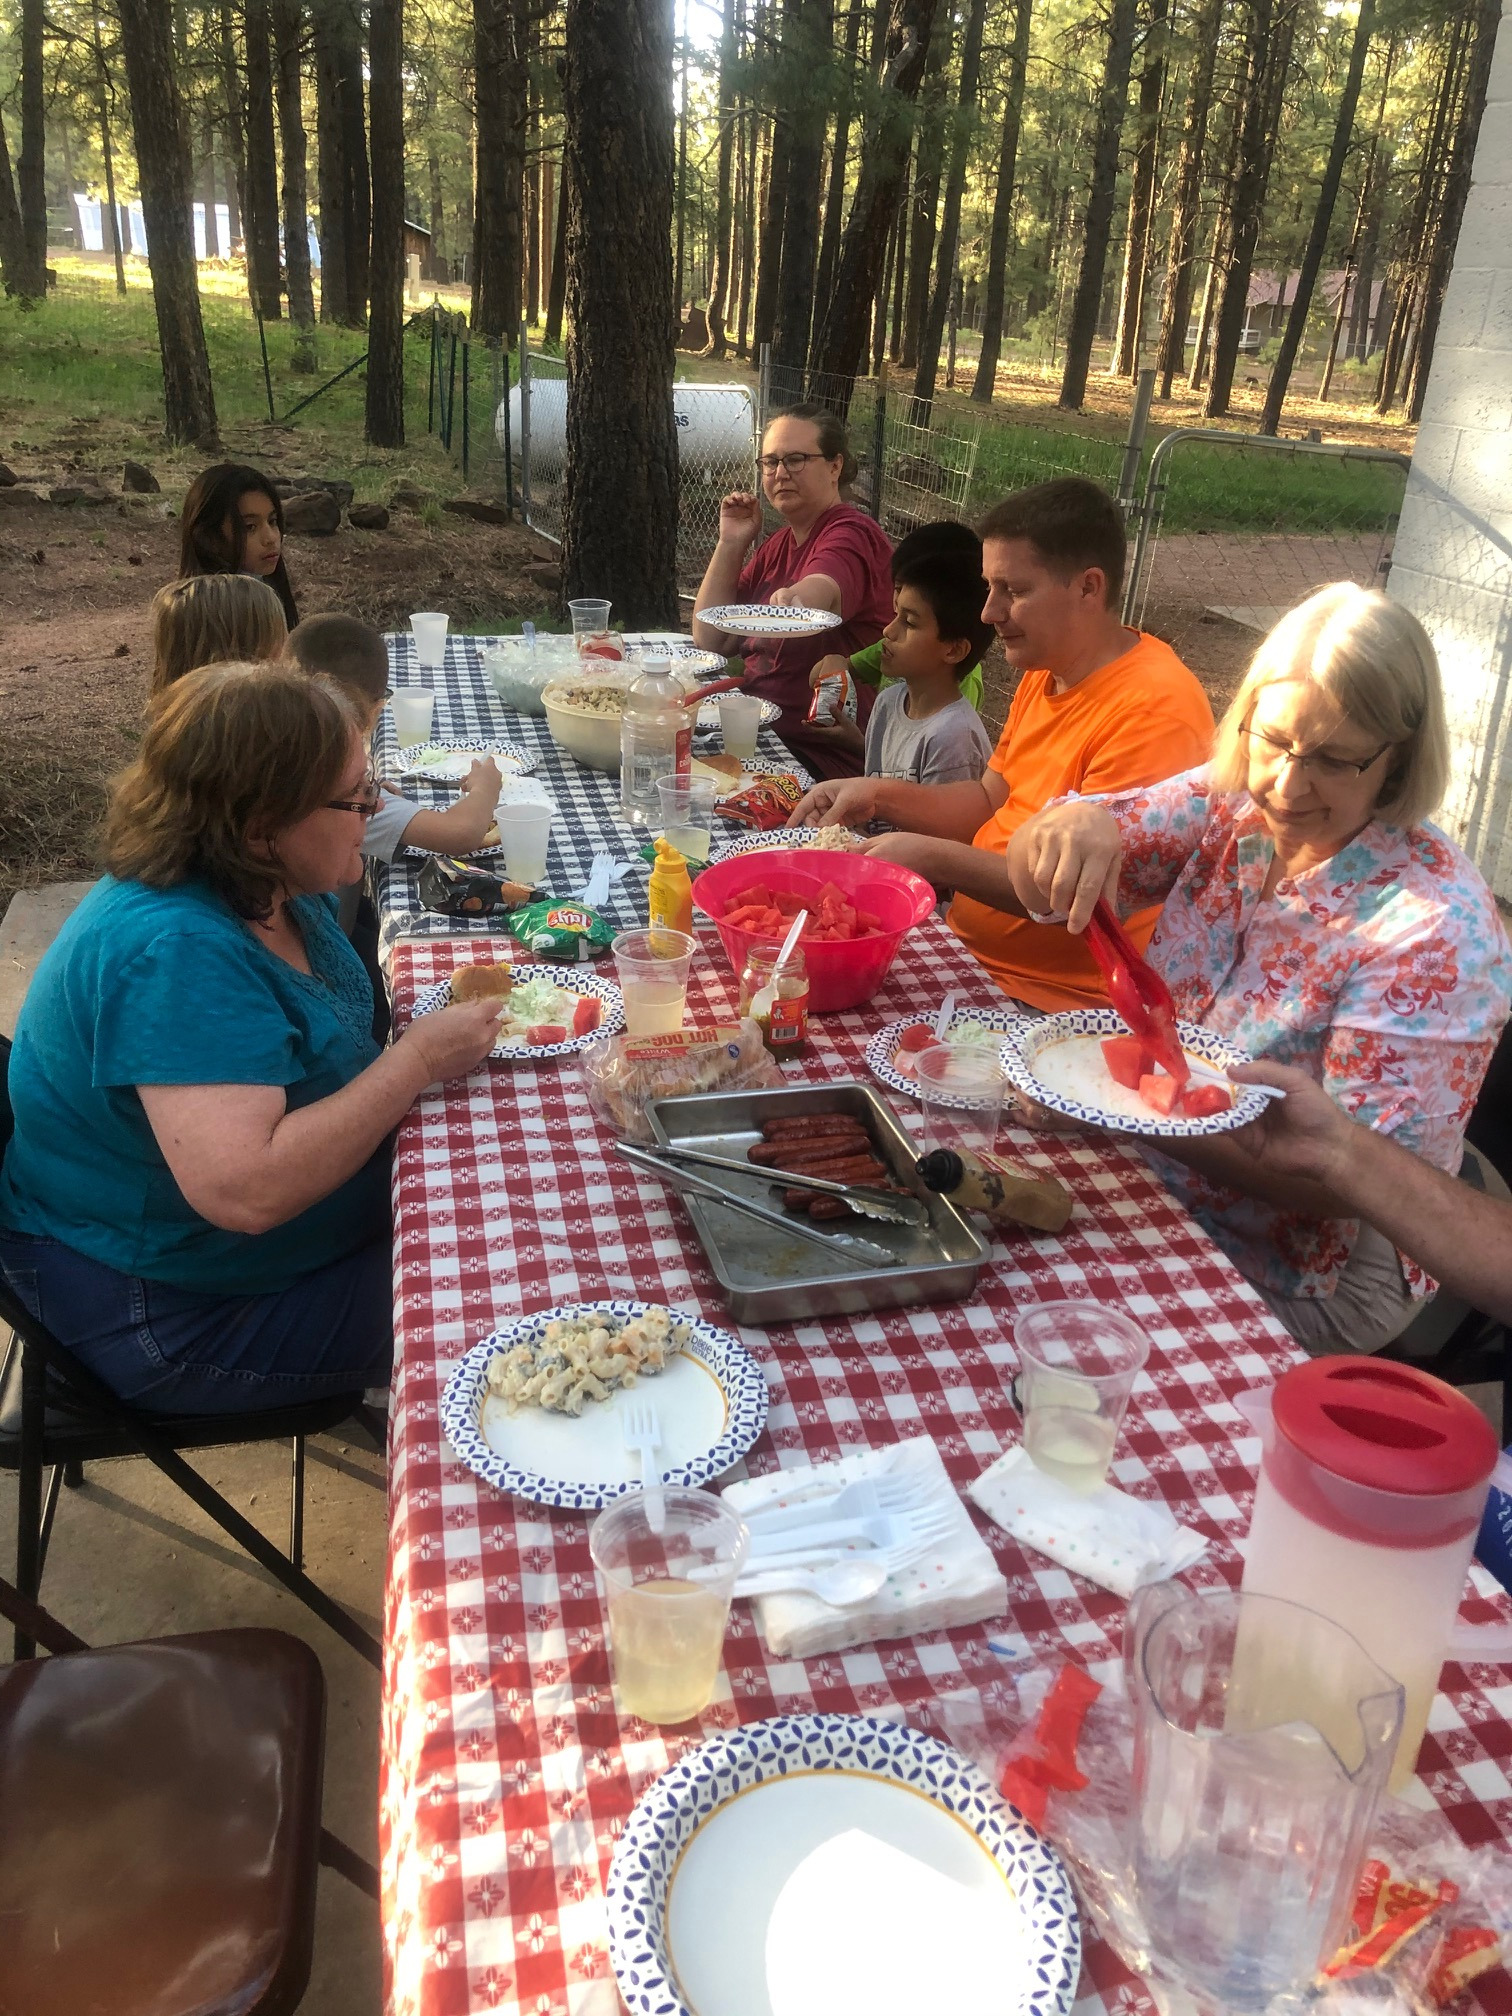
[[1452, 562]]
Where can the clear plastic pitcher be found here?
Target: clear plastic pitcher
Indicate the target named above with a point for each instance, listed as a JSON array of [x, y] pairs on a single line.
[[1373, 1478], [1263, 1735]]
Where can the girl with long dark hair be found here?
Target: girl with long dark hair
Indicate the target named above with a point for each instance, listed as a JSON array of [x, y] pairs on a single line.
[[233, 524]]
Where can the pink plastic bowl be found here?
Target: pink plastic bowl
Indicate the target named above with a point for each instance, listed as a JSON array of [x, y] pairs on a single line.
[[840, 976]]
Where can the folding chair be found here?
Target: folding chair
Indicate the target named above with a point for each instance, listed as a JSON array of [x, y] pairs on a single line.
[[55, 1416], [160, 1832]]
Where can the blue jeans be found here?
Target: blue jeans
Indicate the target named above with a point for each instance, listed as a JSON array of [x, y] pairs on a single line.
[[175, 1351]]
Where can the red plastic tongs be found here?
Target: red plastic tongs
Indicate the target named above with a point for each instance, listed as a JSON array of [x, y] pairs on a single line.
[[1137, 991]]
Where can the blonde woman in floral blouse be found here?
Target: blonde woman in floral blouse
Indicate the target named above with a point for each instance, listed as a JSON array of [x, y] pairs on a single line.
[[1313, 917]]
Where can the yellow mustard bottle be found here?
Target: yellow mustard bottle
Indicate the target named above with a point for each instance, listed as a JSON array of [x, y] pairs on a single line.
[[671, 892]]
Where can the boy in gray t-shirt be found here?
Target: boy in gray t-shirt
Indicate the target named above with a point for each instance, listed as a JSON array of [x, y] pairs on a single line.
[[921, 728]]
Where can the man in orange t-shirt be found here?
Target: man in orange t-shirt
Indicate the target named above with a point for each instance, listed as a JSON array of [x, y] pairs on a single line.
[[1099, 708]]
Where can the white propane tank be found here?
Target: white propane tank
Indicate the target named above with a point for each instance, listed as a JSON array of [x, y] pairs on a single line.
[[716, 426]]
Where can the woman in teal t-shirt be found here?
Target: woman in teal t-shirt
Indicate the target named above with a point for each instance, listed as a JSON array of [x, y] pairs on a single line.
[[196, 1195]]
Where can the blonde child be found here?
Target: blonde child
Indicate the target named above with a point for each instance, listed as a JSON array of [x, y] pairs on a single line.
[[213, 619]]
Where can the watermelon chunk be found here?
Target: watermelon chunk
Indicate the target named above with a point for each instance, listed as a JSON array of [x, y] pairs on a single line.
[[1159, 1092], [919, 1037], [1198, 1101], [1127, 1060], [587, 1015], [545, 1032]]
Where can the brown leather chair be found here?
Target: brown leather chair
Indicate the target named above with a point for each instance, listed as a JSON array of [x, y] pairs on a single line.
[[160, 1823]]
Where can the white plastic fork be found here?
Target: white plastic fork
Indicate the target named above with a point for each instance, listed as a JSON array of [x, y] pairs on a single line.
[[890, 1535], [642, 1432], [866, 1498], [848, 1577]]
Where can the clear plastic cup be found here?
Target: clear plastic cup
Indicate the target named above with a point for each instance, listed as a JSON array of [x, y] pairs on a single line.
[[524, 833], [687, 816], [962, 1092], [413, 707], [429, 629], [739, 723], [1078, 1361], [669, 1598], [590, 617], [652, 968]]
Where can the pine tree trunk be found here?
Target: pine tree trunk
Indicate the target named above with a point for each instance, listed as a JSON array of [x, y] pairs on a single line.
[[162, 152], [1431, 170], [1113, 100], [556, 297], [31, 168], [533, 195], [1181, 255], [236, 131], [809, 25], [879, 310], [773, 217], [264, 275], [112, 220], [1002, 209], [950, 223], [437, 205], [620, 535], [834, 201], [1138, 236], [288, 40], [1317, 238], [900, 269], [724, 214], [498, 223], [12, 237], [929, 163], [1270, 59], [343, 178], [839, 346], [548, 226], [207, 187], [1484, 16], [384, 418], [745, 213]]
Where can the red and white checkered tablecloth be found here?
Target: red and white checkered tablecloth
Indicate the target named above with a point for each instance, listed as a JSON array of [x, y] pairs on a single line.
[[507, 1775]]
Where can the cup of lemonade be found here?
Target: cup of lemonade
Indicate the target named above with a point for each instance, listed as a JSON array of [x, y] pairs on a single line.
[[669, 1598], [652, 969], [1078, 1361]]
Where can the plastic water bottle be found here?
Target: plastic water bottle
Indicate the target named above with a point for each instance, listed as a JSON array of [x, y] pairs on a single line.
[[656, 740], [1493, 1547]]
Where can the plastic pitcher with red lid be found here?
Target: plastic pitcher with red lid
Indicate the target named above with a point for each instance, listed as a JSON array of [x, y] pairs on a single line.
[[1373, 1478]]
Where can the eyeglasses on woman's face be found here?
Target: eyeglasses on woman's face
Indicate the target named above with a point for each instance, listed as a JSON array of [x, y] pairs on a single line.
[[792, 462], [365, 806], [1320, 763]]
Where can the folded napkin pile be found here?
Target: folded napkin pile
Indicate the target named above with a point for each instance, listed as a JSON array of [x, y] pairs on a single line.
[[957, 1582], [1112, 1539]]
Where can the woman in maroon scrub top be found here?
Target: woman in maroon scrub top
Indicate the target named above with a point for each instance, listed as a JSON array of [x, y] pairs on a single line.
[[828, 555]]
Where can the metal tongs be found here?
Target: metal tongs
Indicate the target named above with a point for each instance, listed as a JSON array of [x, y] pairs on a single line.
[[1137, 991], [891, 1208], [845, 1243]]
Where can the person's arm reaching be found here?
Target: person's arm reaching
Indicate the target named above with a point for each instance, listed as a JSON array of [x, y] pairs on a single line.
[[944, 811], [814, 591], [246, 1163], [462, 826], [1460, 1236]]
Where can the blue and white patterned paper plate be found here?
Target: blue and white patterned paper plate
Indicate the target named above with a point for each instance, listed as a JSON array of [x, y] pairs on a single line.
[[668, 1816], [686, 656], [575, 979], [883, 1047], [1111, 1105], [775, 841], [739, 1377], [449, 762], [769, 619]]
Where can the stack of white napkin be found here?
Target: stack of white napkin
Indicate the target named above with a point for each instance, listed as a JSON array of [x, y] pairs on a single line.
[[1112, 1539], [957, 1582]]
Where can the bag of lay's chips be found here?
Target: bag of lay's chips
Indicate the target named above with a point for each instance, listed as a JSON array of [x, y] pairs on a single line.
[[559, 928]]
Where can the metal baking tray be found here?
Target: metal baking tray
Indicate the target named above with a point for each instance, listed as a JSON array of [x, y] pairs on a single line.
[[768, 1278]]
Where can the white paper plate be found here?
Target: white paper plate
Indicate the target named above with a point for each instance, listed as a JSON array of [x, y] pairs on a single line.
[[686, 656], [708, 713], [1059, 1063], [576, 979], [883, 1047], [776, 840], [711, 1402], [768, 619], [449, 762], [827, 1865]]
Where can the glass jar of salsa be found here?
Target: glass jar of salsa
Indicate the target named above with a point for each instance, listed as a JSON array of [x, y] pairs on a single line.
[[781, 1013]]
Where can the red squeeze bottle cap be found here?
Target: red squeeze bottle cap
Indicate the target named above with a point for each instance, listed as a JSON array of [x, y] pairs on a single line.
[[1382, 1452]]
